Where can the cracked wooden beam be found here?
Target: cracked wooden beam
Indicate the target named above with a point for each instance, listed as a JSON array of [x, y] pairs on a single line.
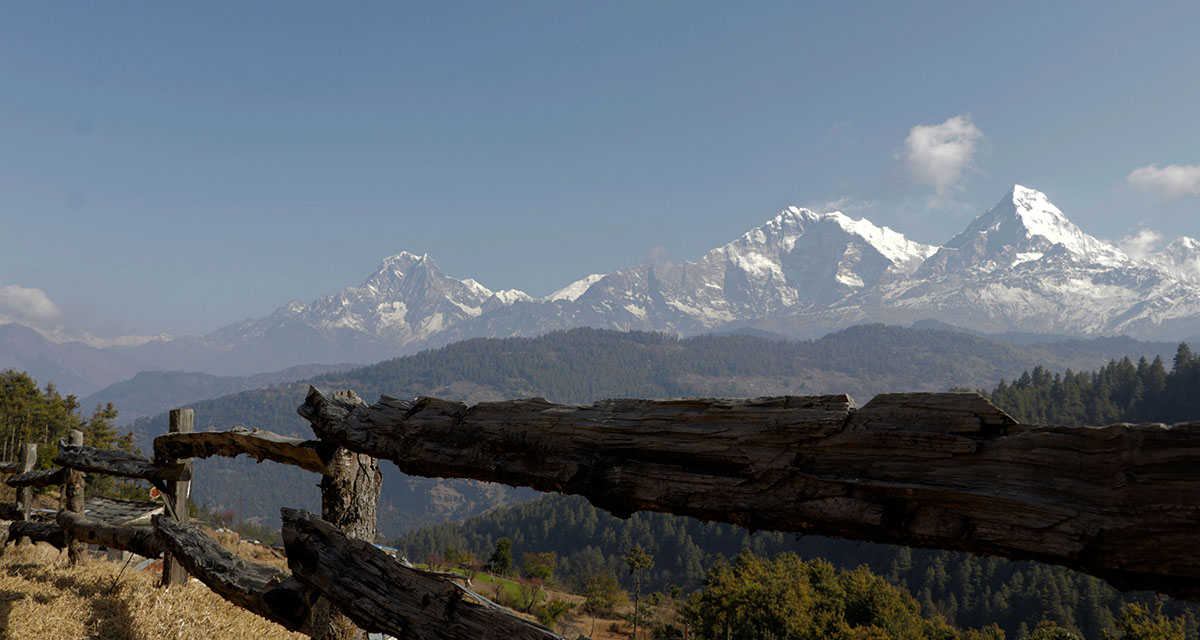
[[311, 455], [40, 478], [268, 592], [37, 532], [933, 470], [116, 463], [140, 540], [381, 595]]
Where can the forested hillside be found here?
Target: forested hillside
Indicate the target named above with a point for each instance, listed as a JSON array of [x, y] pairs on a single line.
[[585, 365], [1120, 392], [151, 392], [30, 414], [971, 592]]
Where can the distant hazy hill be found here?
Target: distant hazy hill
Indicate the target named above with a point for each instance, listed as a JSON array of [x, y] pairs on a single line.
[[585, 365], [152, 392], [73, 367]]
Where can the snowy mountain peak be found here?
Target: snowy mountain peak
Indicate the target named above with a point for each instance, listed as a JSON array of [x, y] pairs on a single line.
[[1180, 258], [1024, 226], [794, 221], [510, 296], [404, 258], [572, 291]]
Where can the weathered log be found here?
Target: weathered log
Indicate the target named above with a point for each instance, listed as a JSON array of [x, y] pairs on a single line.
[[176, 494], [257, 443], [73, 489], [28, 458], [115, 463], [37, 532], [350, 502], [9, 511], [141, 540], [380, 594], [10, 467], [268, 592], [945, 471], [39, 478]]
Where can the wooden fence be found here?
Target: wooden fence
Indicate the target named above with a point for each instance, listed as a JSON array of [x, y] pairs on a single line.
[[934, 470]]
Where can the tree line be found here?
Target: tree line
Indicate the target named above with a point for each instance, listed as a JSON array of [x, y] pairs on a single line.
[[30, 414]]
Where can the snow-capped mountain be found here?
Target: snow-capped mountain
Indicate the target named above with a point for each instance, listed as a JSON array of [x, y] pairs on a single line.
[[1180, 258], [1021, 266]]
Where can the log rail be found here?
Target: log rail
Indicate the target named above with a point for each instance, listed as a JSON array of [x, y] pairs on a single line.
[[933, 470]]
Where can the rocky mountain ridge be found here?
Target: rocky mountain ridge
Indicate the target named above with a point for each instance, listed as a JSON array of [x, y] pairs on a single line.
[[1020, 267]]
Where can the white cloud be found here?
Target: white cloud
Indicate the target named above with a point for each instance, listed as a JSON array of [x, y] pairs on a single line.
[[845, 204], [937, 154], [27, 303], [1171, 181], [1138, 245], [656, 255]]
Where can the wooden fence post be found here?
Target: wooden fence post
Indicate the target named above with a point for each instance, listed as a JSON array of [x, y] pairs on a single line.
[[25, 494], [73, 490], [350, 502], [177, 497]]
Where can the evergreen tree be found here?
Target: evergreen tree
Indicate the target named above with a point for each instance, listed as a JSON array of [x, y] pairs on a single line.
[[500, 562], [636, 560]]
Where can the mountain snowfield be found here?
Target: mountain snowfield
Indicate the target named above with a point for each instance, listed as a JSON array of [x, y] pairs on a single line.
[[1022, 266]]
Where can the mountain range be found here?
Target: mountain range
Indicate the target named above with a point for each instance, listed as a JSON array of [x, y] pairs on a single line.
[[1020, 267], [73, 367]]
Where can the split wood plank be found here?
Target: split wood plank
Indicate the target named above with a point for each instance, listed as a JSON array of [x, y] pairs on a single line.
[[116, 463], [933, 470], [39, 478], [310, 455], [266, 591], [381, 595], [142, 540], [37, 532]]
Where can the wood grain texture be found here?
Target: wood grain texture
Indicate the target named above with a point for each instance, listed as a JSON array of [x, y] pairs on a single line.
[[27, 458], [37, 532], [73, 497], [379, 594], [177, 493], [256, 443], [115, 463], [350, 502], [933, 470], [39, 478], [140, 540], [268, 592]]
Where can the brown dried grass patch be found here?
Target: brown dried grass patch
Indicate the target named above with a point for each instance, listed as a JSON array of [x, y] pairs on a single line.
[[42, 597]]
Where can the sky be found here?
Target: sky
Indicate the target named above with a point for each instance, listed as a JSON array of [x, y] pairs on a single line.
[[174, 168]]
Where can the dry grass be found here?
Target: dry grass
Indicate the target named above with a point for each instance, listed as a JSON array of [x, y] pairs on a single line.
[[41, 597]]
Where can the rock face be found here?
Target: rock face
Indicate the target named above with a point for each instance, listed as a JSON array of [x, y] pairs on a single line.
[[1021, 266]]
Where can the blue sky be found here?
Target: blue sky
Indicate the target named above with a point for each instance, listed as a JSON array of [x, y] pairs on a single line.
[[175, 168]]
